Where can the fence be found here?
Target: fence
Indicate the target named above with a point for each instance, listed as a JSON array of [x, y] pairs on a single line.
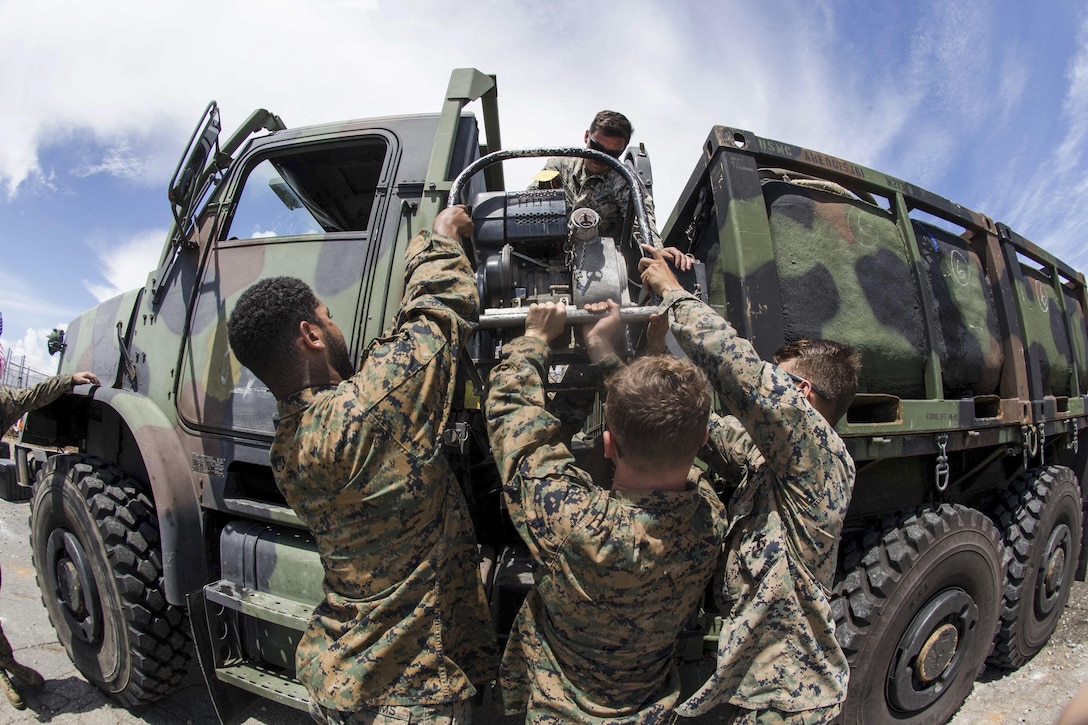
[[17, 374]]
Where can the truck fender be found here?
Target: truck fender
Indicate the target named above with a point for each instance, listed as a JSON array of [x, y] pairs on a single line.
[[166, 468]]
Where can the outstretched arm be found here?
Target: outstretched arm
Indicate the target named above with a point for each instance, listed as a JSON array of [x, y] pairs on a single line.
[[439, 279], [16, 401], [545, 492]]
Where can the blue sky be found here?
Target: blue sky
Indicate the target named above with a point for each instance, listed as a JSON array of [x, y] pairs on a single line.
[[985, 103]]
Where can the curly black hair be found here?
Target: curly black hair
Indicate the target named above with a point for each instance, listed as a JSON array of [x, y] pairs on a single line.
[[263, 325]]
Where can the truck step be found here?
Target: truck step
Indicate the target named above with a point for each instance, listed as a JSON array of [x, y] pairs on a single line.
[[266, 683], [260, 605]]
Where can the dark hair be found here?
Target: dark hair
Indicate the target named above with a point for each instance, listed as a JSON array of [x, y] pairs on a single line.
[[264, 324], [832, 367], [658, 408], [611, 123]]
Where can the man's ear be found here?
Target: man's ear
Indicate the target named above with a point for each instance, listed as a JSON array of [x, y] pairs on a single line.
[[312, 336], [586, 137], [609, 446]]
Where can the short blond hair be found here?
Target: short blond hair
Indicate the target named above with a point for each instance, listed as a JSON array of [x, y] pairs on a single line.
[[657, 407]]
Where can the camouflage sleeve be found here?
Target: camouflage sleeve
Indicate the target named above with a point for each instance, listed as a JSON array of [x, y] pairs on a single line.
[[438, 281], [546, 494], [768, 404], [16, 401], [729, 449]]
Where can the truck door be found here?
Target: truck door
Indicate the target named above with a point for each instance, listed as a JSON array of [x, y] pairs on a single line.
[[306, 210]]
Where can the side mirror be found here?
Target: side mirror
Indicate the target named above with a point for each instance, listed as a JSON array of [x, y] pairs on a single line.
[[184, 185], [55, 342]]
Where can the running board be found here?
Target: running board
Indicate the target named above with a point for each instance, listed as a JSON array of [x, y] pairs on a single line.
[[260, 605], [267, 683], [245, 642]]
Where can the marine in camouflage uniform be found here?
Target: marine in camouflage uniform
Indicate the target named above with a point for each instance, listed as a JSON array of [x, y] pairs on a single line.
[[404, 629], [778, 659], [605, 192], [14, 402], [588, 183], [617, 572]]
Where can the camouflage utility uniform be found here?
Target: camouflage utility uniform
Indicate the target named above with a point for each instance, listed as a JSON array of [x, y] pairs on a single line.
[[404, 621], [777, 650], [617, 572], [13, 403], [605, 193]]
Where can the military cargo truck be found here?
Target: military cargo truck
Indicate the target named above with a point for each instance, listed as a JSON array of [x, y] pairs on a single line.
[[161, 532]]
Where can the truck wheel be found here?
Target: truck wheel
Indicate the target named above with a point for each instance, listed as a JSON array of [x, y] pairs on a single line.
[[94, 543], [915, 614], [1040, 518]]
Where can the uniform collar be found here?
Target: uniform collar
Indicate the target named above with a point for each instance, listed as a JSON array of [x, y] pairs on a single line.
[[295, 403]]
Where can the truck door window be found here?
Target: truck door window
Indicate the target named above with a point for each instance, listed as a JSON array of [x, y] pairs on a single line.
[[318, 191]]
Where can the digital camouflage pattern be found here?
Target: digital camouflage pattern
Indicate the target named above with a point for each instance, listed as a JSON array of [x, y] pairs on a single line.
[[605, 193], [777, 646], [16, 401], [617, 575], [404, 620], [455, 713]]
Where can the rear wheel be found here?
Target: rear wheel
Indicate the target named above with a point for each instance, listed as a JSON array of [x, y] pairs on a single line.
[[1040, 518], [915, 613], [95, 546]]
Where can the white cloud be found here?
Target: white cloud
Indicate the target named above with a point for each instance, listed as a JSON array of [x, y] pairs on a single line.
[[1048, 203], [125, 266], [120, 160], [674, 69]]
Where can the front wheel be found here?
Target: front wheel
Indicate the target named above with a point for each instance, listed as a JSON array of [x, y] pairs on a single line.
[[95, 545], [916, 613]]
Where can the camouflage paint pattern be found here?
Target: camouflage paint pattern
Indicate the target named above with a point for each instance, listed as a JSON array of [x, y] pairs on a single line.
[[940, 314], [777, 646], [844, 274], [968, 328], [404, 620], [617, 575]]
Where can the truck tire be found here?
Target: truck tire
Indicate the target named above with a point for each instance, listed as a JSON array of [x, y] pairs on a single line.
[[1040, 517], [94, 543], [915, 614]]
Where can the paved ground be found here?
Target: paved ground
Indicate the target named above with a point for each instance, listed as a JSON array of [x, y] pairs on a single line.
[[1034, 694]]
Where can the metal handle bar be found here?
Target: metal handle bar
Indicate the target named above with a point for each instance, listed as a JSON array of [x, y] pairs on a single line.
[[493, 319], [499, 156]]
